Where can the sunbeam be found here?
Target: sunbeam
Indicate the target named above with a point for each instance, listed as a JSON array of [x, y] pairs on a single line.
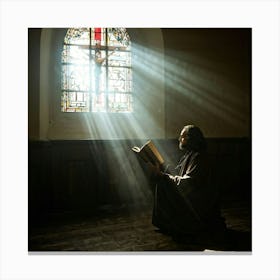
[[95, 94]]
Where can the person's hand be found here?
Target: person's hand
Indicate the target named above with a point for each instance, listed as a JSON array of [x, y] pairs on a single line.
[[177, 179]]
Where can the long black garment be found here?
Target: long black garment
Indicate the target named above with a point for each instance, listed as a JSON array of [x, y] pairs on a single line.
[[187, 203]]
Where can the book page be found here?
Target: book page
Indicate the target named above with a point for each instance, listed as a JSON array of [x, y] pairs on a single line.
[[136, 149], [155, 152]]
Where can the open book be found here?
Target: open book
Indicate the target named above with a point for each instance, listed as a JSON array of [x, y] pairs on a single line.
[[149, 153]]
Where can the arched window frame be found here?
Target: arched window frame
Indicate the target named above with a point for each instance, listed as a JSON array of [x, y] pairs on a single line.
[[96, 70], [148, 93]]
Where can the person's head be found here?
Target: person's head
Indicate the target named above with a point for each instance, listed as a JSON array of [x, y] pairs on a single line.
[[191, 138]]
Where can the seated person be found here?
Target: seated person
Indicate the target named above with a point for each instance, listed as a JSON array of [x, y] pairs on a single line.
[[187, 204]]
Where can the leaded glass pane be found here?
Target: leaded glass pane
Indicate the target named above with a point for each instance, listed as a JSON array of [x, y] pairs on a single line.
[[119, 80], [75, 101], [75, 54], [120, 59], [119, 102], [78, 36], [118, 37], [98, 36], [75, 77]]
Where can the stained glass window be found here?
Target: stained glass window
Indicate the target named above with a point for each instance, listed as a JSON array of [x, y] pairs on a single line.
[[96, 70]]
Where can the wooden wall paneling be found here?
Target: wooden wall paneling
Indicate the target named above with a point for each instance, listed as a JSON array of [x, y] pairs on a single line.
[[85, 175]]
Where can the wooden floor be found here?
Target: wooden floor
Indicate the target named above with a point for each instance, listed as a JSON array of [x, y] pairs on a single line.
[[119, 230]]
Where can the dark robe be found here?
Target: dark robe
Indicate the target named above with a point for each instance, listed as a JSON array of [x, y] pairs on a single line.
[[187, 203]]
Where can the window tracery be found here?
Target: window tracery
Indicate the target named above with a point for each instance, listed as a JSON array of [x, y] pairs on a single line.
[[96, 70]]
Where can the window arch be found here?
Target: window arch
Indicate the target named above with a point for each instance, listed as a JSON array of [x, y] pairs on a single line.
[[96, 70]]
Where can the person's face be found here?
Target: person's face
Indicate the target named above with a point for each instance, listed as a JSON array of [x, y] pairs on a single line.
[[182, 139]]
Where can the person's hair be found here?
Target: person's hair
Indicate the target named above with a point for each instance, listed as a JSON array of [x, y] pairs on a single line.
[[195, 138]]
